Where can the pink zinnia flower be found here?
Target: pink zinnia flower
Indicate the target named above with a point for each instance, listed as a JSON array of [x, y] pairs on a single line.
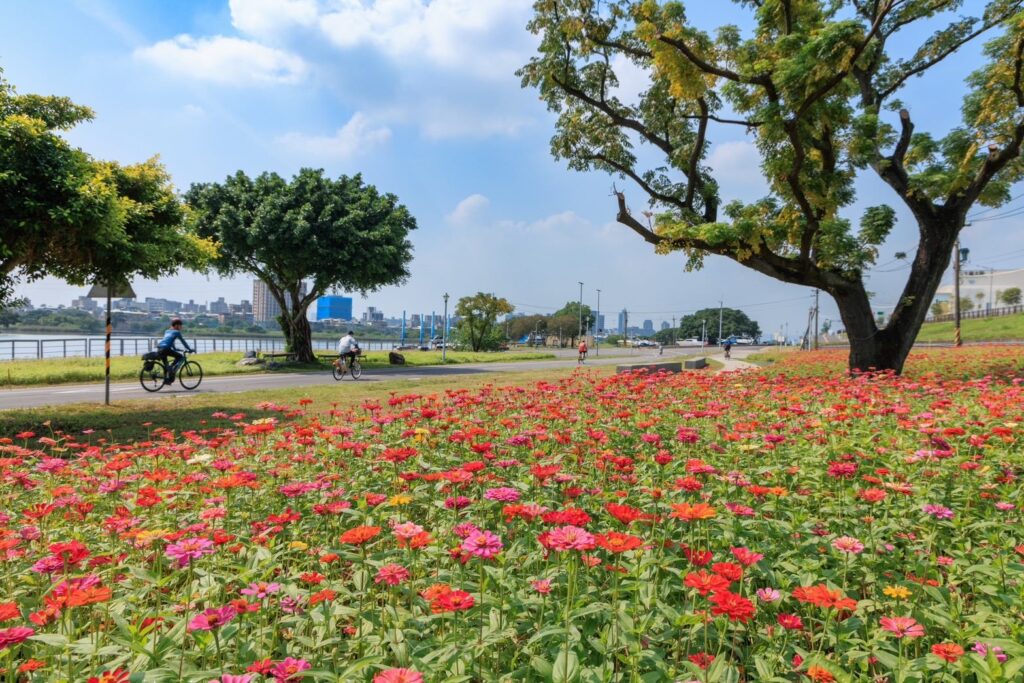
[[938, 511], [542, 586], [260, 589], [391, 574], [13, 636], [287, 671], [398, 676], [188, 549], [848, 544], [768, 594], [213, 618], [982, 649], [1005, 507], [231, 678], [504, 494], [407, 530], [482, 544], [902, 626], [570, 538]]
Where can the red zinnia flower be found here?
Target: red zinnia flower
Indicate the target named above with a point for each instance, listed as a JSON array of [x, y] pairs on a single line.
[[617, 542], [736, 607], [948, 651], [706, 582], [359, 535]]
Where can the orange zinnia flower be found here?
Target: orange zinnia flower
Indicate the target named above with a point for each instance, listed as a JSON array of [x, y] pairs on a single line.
[[359, 535], [693, 513], [617, 542], [821, 596]]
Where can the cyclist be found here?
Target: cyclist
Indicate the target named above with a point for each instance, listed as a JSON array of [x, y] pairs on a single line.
[[582, 351], [348, 349], [166, 348], [728, 347]]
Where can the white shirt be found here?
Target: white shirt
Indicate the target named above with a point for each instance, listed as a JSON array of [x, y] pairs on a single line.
[[346, 343]]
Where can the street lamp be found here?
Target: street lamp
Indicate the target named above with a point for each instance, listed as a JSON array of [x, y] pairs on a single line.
[[581, 309], [444, 331], [597, 322]]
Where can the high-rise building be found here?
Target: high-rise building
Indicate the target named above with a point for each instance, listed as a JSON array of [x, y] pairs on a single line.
[[665, 325], [219, 306], [648, 327], [334, 308], [623, 321], [265, 308], [372, 315]]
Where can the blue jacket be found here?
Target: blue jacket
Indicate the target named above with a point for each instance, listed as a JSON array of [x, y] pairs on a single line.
[[170, 336]]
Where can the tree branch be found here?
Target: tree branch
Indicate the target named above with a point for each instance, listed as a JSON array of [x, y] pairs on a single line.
[[617, 117], [693, 174], [995, 162], [632, 175], [701, 63]]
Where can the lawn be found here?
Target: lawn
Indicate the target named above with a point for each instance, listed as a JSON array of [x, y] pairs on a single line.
[[75, 370], [787, 524], [976, 329]]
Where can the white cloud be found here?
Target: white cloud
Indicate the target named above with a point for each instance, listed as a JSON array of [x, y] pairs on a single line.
[[469, 211], [356, 137], [457, 34], [633, 79], [269, 18], [737, 166], [223, 60]]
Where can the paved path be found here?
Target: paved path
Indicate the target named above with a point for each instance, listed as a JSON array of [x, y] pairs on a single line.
[[79, 393]]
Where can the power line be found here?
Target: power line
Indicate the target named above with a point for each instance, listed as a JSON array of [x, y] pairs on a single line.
[[993, 208]]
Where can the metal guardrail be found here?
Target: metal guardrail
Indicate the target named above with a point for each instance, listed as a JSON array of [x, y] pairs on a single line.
[[89, 347], [979, 313]]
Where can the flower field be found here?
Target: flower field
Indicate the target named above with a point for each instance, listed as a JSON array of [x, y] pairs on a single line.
[[790, 524]]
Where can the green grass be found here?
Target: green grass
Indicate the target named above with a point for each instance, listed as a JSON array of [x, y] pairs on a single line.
[[133, 420], [79, 370], [976, 329], [767, 357]]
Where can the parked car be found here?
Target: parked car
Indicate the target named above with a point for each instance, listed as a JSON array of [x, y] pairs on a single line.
[[744, 340], [691, 342], [644, 342]]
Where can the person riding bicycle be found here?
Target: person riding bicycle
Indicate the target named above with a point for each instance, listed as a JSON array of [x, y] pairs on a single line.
[[348, 349], [166, 349], [728, 347], [582, 351]]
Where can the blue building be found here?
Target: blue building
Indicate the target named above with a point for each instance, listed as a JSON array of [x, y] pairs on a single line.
[[334, 308]]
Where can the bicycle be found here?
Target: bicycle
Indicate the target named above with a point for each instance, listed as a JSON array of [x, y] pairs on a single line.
[[350, 366], [156, 373]]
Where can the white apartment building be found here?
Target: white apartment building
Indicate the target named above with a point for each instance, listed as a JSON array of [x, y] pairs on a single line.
[[983, 287]]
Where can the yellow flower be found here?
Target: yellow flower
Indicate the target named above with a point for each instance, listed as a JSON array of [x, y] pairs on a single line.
[[399, 499], [897, 592], [298, 545]]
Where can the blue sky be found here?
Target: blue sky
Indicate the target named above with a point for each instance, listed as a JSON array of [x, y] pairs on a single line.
[[421, 98]]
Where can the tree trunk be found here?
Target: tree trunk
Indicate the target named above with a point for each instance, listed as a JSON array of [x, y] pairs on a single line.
[[887, 348], [300, 337]]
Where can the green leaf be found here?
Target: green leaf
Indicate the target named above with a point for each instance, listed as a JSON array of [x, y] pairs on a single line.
[[566, 668]]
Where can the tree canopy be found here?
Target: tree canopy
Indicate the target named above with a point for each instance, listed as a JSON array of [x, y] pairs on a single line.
[[327, 233], [478, 315], [66, 214], [1010, 296], [814, 82]]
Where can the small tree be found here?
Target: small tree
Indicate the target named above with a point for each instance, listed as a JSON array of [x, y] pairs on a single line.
[[940, 307], [572, 309], [478, 315], [966, 304], [329, 233], [734, 322], [815, 84], [526, 326], [62, 213], [1011, 296]]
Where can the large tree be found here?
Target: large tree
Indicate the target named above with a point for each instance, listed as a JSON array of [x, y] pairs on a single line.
[[66, 214], [328, 233], [572, 310], [478, 315], [734, 322], [815, 83]]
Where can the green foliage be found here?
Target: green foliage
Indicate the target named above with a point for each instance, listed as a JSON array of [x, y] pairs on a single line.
[[65, 214], [330, 233], [572, 310], [1010, 296], [734, 322], [478, 315]]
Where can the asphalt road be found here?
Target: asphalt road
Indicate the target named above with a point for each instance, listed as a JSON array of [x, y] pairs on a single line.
[[83, 393]]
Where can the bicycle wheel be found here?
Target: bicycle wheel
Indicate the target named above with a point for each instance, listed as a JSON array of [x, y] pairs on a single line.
[[190, 375], [356, 370], [152, 380], [336, 371]]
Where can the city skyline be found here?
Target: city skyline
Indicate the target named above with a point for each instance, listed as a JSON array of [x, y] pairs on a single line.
[[469, 155]]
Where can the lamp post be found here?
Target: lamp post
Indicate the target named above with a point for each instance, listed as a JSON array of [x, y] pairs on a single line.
[[703, 333], [597, 321], [581, 310], [720, 305], [956, 295], [444, 331]]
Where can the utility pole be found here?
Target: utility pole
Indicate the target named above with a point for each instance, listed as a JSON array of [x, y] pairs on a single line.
[[444, 331], [719, 322], [703, 332], [956, 295], [673, 329], [816, 320], [597, 320], [581, 310]]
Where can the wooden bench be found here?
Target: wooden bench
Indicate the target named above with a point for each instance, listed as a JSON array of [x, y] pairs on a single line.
[[670, 366], [277, 356]]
